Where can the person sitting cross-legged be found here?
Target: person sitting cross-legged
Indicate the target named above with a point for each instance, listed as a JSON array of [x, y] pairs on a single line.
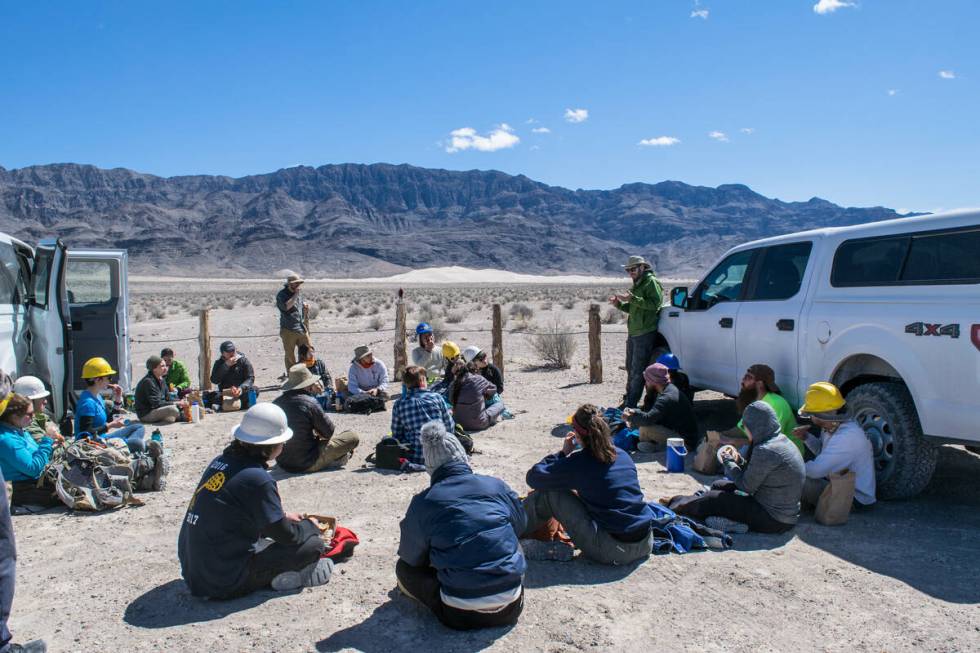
[[177, 374], [470, 395], [43, 424], [426, 355], [417, 407], [367, 374], [307, 356], [152, 406], [91, 417], [234, 376], [24, 459], [459, 554], [314, 446], [668, 415]]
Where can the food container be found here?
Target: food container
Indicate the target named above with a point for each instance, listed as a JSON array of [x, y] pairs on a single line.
[[328, 526]]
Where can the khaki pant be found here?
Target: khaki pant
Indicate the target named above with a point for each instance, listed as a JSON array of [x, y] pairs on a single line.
[[290, 341], [657, 433], [335, 451], [161, 415]]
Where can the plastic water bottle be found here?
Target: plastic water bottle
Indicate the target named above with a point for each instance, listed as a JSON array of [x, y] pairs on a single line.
[[157, 436], [195, 412], [252, 397]]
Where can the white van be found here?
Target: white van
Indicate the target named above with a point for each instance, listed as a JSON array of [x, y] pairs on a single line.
[[887, 311], [58, 308]]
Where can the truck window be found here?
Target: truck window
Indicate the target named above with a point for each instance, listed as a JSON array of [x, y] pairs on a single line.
[[780, 273], [869, 261], [952, 257], [89, 282], [13, 286], [725, 282], [40, 279]]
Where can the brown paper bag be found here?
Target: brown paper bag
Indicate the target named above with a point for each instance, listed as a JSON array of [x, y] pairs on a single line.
[[834, 504], [706, 456], [341, 384]]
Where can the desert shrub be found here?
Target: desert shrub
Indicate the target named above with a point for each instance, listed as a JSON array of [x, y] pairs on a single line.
[[521, 324], [455, 317], [554, 346], [377, 323], [228, 303], [546, 306], [158, 313], [355, 311], [612, 316], [568, 304], [521, 311], [313, 311]]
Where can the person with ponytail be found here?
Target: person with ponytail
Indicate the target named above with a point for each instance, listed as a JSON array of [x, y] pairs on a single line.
[[594, 492]]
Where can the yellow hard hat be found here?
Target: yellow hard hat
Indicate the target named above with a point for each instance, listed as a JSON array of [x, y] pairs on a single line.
[[97, 367], [450, 349], [822, 397]]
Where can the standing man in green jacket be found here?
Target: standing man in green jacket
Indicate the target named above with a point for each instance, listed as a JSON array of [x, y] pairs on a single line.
[[642, 304], [177, 375]]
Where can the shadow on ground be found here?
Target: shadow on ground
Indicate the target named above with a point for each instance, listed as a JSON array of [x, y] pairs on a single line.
[[172, 604], [402, 624]]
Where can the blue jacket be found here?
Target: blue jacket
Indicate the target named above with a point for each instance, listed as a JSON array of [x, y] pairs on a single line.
[[21, 458], [466, 526], [611, 493]]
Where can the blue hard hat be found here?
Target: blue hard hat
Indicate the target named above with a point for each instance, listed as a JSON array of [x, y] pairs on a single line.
[[669, 361], [423, 327]]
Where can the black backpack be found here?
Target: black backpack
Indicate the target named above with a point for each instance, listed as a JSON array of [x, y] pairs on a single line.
[[364, 404], [388, 454]]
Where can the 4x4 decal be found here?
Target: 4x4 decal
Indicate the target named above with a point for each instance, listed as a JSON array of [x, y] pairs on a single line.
[[926, 329]]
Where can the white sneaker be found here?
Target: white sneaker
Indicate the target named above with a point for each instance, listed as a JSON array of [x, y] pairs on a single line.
[[317, 573]]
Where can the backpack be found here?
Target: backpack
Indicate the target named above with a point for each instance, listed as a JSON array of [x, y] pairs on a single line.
[[364, 404], [92, 476], [388, 454]]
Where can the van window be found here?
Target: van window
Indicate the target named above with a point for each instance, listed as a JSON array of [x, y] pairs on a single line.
[[869, 261], [13, 286], [725, 282], [40, 278], [944, 258], [89, 282], [780, 273]]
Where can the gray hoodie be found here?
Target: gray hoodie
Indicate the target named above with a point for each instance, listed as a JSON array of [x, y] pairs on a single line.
[[774, 474]]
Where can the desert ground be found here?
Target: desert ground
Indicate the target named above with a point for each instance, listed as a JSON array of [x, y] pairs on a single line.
[[900, 578]]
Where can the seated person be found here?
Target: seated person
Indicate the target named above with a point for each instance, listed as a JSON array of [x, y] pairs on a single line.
[[426, 355], [42, 425], [484, 368], [459, 555], [237, 503], [177, 375], [313, 446], [677, 376], [416, 408], [234, 376], [842, 445], [468, 396], [307, 356], [594, 493], [772, 481], [91, 417], [670, 416], [759, 384], [22, 459], [367, 374], [451, 354], [152, 406]]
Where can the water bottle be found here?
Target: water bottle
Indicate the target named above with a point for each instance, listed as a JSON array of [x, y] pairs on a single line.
[[252, 397], [157, 436], [195, 412]]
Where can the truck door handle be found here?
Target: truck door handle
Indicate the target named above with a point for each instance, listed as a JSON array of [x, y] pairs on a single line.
[[726, 323], [785, 325], [673, 314]]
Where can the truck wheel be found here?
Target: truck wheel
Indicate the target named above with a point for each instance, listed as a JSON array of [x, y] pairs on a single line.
[[904, 459]]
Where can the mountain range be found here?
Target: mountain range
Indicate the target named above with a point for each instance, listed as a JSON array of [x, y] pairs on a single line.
[[354, 220]]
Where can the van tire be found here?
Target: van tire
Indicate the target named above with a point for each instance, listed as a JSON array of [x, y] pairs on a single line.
[[904, 459]]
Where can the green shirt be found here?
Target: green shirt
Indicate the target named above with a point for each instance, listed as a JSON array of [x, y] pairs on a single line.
[[38, 428], [177, 375], [787, 420], [644, 307]]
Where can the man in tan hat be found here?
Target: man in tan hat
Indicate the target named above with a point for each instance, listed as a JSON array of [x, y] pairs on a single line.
[[292, 322], [313, 446], [642, 305], [367, 374]]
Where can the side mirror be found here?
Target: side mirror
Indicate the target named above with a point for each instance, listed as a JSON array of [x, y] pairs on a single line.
[[678, 297]]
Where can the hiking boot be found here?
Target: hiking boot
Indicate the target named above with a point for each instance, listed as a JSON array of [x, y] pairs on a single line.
[[33, 646], [314, 574], [726, 525], [551, 551], [161, 466], [340, 462], [647, 447]]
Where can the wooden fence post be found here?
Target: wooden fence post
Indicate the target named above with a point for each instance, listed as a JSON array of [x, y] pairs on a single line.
[[497, 348], [204, 342], [401, 346], [595, 345]]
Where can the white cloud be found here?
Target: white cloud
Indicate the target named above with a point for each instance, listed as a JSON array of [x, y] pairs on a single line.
[[659, 141], [576, 115], [830, 6], [535, 147], [747, 130], [892, 92], [467, 138], [541, 130], [718, 136], [947, 74], [530, 121], [700, 13]]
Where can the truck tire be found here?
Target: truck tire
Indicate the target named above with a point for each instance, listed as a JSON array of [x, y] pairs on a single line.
[[904, 459]]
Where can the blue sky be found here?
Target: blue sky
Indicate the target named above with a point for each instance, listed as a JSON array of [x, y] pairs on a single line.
[[864, 103]]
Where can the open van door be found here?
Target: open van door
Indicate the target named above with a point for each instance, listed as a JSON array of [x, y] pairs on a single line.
[[98, 295], [47, 338]]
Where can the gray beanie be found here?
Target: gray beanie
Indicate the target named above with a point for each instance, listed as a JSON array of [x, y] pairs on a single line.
[[152, 362], [761, 421], [439, 447]]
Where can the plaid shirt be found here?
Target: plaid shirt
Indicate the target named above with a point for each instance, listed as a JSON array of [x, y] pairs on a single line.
[[411, 412]]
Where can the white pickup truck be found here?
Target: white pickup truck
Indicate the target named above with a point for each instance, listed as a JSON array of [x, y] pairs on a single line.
[[888, 311], [58, 308]]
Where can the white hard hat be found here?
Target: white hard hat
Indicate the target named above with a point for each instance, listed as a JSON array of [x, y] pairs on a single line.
[[263, 423], [470, 353], [30, 387]]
